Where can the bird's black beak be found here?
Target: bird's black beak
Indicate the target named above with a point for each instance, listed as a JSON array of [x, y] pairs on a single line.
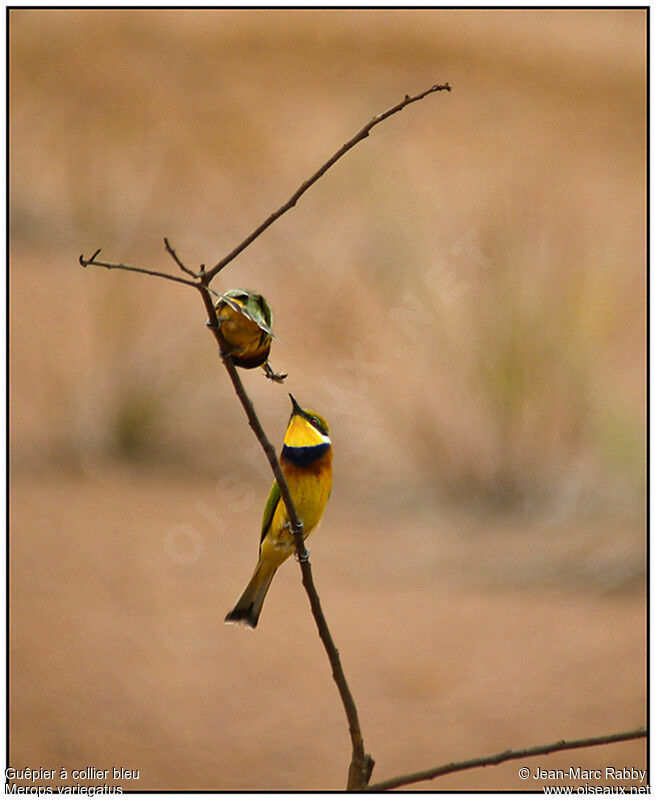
[[295, 406]]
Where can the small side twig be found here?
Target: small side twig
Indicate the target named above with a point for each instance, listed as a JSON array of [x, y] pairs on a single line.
[[174, 256], [507, 755], [93, 262], [359, 136]]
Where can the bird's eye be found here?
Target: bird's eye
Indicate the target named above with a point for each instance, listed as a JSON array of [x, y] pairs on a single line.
[[315, 422]]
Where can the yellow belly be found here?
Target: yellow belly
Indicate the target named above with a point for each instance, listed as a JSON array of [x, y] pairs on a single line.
[[240, 332], [310, 492]]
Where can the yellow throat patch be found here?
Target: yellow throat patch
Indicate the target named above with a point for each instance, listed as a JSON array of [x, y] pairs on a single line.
[[301, 434]]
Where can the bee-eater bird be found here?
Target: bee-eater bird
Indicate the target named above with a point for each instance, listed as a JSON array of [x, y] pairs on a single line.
[[306, 463], [245, 318]]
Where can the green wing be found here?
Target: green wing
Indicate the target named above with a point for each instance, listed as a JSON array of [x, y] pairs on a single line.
[[270, 509], [257, 308], [252, 305], [265, 311]]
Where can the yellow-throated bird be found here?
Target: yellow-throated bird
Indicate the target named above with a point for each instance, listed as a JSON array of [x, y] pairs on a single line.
[[245, 319], [306, 463]]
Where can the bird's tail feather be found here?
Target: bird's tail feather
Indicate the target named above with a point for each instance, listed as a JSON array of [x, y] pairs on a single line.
[[248, 608]]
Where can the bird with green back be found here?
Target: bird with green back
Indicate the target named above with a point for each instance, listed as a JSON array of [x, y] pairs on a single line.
[[306, 463], [244, 318]]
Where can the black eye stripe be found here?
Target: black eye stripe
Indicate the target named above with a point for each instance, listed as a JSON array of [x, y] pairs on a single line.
[[315, 423]]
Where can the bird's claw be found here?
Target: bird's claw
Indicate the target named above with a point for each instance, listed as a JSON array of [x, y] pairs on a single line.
[[276, 377]]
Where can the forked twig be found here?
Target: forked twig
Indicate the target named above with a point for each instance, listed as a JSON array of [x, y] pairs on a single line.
[[361, 763], [93, 262]]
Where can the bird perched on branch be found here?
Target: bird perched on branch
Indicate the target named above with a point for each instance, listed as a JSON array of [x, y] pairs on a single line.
[[306, 463], [245, 319]]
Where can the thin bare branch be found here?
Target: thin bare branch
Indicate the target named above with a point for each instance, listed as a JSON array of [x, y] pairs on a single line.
[[507, 755], [361, 763], [93, 262], [359, 136], [174, 256]]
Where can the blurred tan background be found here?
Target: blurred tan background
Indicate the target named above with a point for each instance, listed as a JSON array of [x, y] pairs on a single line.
[[462, 296]]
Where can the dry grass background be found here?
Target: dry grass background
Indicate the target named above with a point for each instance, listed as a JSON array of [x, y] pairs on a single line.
[[463, 296]]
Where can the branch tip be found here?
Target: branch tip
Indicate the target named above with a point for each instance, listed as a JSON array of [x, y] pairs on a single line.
[[85, 262], [359, 136], [177, 260]]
